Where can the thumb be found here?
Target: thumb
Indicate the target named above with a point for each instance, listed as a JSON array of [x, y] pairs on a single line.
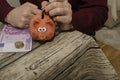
[[44, 4]]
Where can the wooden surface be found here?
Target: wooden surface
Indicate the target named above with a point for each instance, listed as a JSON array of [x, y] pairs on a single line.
[[70, 56], [112, 54]]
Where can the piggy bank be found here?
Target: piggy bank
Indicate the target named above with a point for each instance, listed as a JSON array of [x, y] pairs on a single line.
[[42, 27]]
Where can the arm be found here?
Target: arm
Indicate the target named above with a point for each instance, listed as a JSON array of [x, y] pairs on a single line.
[[89, 16], [5, 8]]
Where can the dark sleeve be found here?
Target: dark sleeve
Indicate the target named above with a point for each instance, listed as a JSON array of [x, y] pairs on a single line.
[[4, 10], [89, 15], [36, 2]]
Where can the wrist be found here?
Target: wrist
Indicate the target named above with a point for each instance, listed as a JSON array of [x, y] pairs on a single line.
[[66, 27]]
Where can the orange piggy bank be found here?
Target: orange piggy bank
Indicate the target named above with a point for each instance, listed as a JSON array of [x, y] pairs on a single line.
[[42, 27]]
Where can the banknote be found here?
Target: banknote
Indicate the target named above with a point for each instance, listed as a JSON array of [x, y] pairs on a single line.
[[15, 40]]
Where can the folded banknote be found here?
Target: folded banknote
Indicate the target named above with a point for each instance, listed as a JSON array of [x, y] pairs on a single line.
[[15, 40]]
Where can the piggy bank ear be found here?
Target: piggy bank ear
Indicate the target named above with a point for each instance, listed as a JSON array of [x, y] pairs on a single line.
[[36, 23]]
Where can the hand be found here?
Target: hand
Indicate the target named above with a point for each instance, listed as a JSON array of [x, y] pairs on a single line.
[[60, 11], [20, 16]]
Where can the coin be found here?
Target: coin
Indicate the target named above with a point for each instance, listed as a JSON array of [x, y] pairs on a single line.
[[19, 44]]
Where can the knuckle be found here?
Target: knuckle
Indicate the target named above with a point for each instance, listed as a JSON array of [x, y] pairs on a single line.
[[69, 5], [44, 2], [68, 10], [58, 10], [23, 19], [28, 8], [50, 13], [25, 14], [26, 4], [54, 4]]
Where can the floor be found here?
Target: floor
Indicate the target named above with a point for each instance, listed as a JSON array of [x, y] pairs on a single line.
[[112, 54]]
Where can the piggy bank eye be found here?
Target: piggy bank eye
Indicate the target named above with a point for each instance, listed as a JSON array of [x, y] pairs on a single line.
[[42, 29]]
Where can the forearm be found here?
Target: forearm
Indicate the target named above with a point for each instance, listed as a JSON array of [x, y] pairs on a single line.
[[5, 8]]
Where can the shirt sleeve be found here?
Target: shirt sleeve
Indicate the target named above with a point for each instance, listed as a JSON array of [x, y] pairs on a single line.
[[89, 15], [5, 8], [36, 2]]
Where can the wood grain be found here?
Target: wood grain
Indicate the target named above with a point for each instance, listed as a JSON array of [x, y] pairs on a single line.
[[70, 56], [91, 66], [112, 54]]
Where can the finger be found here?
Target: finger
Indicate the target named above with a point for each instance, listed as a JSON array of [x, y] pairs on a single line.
[[31, 8], [53, 5], [31, 5], [35, 11], [63, 19], [57, 12], [28, 14], [44, 4]]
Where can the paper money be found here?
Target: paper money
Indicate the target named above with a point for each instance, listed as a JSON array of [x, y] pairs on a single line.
[[15, 40]]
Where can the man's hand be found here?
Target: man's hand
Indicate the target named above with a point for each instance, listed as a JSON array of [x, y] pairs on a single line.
[[60, 11], [20, 16]]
